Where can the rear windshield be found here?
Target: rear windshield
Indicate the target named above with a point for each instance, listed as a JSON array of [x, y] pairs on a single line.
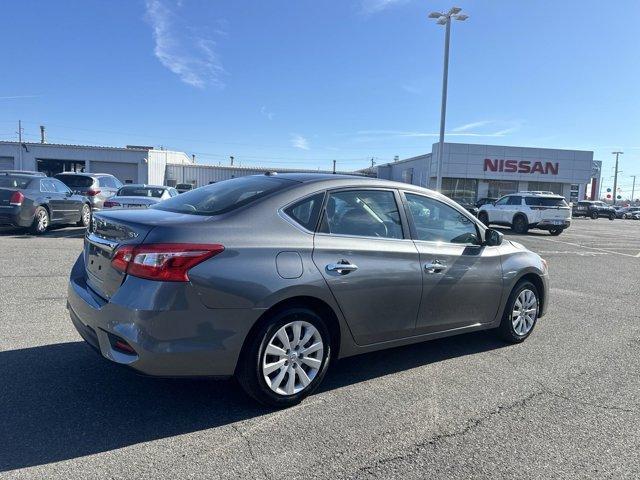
[[546, 201], [222, 197], [10, 181], [140, 192], [184, 186], [75, 181]]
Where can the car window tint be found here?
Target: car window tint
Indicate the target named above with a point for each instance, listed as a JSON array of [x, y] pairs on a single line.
[[140, 192], [76, 181], [366, 213], [502, 201], [223, 197], [514, 201], [14, 182], [47, 186], [546, 201], [107, 182], [437, 222], [306, 211], [59, 186]]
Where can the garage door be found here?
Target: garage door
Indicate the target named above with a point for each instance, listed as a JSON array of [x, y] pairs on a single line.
[[6, 163], [125, 172]]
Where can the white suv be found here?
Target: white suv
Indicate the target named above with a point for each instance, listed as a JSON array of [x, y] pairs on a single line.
[[525, 210]]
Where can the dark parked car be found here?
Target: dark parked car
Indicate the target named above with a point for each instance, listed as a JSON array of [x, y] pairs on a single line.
[[272, 277], [627, 212], [184, 187], [97, 187], [140, 196], [39, 202], [593, 209]]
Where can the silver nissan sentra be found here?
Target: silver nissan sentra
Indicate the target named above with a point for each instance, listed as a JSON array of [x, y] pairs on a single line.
[[272, 277]]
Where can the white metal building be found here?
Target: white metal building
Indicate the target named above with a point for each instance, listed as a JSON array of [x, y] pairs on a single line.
[[471, 172], [131, 164]]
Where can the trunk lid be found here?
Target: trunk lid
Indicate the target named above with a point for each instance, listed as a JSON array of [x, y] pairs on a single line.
[[112, 228]]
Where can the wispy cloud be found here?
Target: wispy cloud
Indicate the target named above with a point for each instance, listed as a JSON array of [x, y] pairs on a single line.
[[15, 97], [374, 6], [266, 113], [298, 141], [462, 131], [182, 48], [470, 126]]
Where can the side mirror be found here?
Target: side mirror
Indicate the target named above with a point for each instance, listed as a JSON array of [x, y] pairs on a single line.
[[69, 193], [492, 238]]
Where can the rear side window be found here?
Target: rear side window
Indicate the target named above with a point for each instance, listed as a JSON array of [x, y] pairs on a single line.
[[223, 197], [13, 182], [363, 213], [306, 212], [545, 202], [75, 181]]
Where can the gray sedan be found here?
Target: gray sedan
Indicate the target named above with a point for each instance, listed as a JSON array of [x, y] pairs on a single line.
[[271, 278], [139, 196]]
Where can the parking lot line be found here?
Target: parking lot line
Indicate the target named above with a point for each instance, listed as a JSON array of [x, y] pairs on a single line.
[[590, 248]]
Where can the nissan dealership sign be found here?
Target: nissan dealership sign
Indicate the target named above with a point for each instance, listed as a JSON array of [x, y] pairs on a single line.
[[520, 166]]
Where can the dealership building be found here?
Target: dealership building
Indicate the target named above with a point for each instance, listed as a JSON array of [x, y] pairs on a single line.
[[471, 172]]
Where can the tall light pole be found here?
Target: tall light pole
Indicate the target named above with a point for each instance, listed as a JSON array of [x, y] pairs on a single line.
[[445, 19], [633, 188], [615, 177]]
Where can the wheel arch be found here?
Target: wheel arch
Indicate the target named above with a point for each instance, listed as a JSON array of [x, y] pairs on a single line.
[[319, 306], [537, 282]]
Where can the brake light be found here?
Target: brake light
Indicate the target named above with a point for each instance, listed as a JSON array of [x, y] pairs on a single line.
[[16, 198], [111, 204], [169, 262], [92, 192]]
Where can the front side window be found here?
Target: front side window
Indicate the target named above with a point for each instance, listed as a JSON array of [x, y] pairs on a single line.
[[515, 201], [59, 186], [362, 213], [306, 211], [437, 222], [503, 201], [47, 186]]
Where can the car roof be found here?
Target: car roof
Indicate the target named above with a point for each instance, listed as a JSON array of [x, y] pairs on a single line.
[[85, 174]]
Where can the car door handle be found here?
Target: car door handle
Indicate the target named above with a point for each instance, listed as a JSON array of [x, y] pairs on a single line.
[[434, 267], [342, 267]]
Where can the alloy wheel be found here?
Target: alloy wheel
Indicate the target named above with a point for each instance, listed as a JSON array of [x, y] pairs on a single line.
[[42, 220], [293, 358], [86, 215], [525, 312]]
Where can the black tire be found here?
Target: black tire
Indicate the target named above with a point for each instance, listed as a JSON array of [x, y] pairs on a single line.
[[506, 329], [41, 221], [484, 218], [85, 216], [612, 216], [249, 372], [594, 215], [555, 232], [520, 224]]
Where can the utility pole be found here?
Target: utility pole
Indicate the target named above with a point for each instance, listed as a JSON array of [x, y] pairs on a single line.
[[373, 163], [334, 167], [615, 177], [20, 145], [445, 19], [231, 157], [633, 188]]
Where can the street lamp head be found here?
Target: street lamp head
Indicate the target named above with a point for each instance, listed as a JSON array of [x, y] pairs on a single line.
[[435, 15], [462, 17], [455, 10], [442, 21]]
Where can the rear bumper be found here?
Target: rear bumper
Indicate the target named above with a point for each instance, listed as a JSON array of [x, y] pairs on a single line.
[[550, 225], [15, 216], [172, 332]]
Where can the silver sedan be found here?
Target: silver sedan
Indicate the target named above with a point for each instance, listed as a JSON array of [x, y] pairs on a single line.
[[271, 278]]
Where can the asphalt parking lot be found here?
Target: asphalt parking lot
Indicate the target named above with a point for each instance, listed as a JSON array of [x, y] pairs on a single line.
[[566, 403]]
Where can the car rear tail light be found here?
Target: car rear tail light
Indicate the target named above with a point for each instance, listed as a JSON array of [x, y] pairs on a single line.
[[16, 199], [92, 192], [169, 262], [111, 204]]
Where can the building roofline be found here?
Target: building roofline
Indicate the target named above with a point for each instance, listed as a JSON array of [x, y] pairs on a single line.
[[132, 148]]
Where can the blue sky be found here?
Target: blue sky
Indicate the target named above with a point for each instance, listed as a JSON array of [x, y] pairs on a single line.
[[299, 83]]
